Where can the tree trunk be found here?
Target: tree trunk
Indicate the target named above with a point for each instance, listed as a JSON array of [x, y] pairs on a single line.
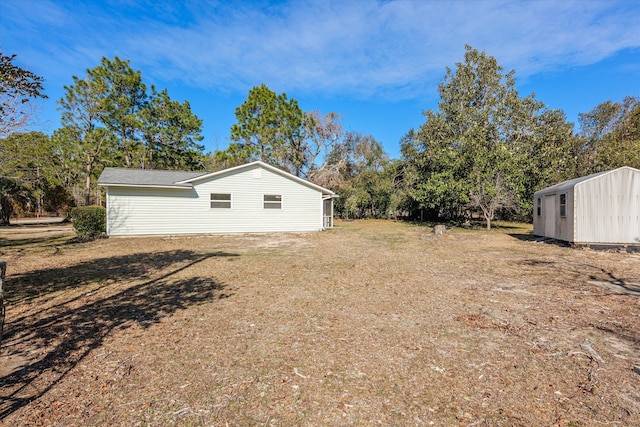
[[87, 191], [87, 185], [488, 217], [126, 148], [487, 212], [39, 195], [6, 209]]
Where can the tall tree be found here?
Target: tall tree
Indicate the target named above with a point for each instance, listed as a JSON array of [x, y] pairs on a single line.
[[28, 159], [270, 128], [469, 154], [234, 155], [67, 158], [323, 134], [552, 154], [18, 87], [83, 112], [171, 134], [110, 119], [357, 168], [486, 118], [12, 192], [611, 134], [258, 123], [123, 96]]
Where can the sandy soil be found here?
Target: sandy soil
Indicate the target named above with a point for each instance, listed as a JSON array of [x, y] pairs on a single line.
[[371, 323]]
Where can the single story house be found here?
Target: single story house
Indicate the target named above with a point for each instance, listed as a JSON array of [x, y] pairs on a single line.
[[600, 208], [251, 198]]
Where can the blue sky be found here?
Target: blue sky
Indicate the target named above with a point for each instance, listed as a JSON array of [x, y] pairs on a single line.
[[377, 63]]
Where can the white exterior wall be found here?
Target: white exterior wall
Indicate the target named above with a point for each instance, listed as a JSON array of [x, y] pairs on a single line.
[[604, 208], [538, 220], [608, 208], [166, 211], [549, 223]]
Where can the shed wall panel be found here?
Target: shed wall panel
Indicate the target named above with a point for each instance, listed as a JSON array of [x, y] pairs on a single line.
[[566, 226], [608, 208], [551, 223]]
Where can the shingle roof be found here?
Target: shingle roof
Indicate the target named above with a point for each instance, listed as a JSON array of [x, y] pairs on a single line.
[[178, 179], [144, 177], [264, 166]]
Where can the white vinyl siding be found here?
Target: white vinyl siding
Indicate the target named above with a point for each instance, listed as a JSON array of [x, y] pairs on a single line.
[[142, 211]]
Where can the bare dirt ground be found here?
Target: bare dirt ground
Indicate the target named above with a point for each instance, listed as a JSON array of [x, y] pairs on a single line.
[[372, 323]]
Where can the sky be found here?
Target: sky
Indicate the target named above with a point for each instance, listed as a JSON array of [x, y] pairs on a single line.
[[376, 63]]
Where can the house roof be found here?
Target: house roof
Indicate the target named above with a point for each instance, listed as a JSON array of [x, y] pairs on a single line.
[[125, 177], [566, 185], [265, 166]]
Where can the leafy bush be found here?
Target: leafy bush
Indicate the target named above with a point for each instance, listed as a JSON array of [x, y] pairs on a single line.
[[89, 221]]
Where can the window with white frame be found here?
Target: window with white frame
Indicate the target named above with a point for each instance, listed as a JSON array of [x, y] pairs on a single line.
[[220, 201], [272, 201], [539, 206], [563, 205]]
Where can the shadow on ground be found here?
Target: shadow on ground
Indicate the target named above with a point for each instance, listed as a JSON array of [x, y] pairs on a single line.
[[529, 237], [590, 274], [38, 283], [35, 241], [52, 341], [525, 237]]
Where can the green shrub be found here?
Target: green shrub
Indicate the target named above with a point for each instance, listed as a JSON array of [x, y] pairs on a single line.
[[89, 221]]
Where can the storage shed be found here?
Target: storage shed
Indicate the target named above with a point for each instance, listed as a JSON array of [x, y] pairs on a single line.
[[600, 208], [251, 198]]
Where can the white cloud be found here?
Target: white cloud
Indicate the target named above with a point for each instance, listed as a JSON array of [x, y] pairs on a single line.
[[396, 49]]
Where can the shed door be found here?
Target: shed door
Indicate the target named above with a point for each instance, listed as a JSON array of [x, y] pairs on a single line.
[[550, 216]]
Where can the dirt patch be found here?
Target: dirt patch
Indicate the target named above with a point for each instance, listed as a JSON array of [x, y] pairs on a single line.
[[372, 323]]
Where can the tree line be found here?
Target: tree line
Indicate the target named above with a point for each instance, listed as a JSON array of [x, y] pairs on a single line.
[[481, 153], [486, 149]]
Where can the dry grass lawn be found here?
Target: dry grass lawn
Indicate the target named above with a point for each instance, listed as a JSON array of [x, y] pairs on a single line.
[[371, 323]]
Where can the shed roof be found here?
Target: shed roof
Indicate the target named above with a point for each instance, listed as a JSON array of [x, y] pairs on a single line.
[[566, 185]]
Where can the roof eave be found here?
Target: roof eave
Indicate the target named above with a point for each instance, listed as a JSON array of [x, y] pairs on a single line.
[[266, 166], [180, 187]]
